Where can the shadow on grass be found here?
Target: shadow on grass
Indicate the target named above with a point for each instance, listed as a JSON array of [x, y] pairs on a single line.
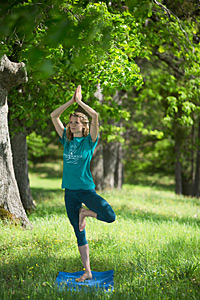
[[156, 184], [42, 194], [48, 202], [142, 215], [44, 211], [46, 171]]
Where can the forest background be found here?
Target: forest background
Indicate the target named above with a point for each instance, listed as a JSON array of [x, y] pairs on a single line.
[[138, 64]]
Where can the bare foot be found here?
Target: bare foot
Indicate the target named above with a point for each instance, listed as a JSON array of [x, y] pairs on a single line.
[[82, 222], [84, 277]]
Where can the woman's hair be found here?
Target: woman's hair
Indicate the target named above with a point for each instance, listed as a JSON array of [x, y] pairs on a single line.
[[84, 120]]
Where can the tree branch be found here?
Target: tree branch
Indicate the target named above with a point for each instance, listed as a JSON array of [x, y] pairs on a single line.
[[77, 17], [163, 7], [169, 13]]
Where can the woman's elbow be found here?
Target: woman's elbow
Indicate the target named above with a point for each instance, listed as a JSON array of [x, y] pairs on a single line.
[[95, 117]]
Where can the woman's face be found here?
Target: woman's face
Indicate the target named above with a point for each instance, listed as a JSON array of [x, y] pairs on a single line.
[[76, 126]]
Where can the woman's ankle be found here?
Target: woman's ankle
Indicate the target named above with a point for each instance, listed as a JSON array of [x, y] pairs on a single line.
[[88, 272]]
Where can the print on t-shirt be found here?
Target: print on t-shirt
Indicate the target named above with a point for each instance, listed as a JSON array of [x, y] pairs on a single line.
[[71, 157]]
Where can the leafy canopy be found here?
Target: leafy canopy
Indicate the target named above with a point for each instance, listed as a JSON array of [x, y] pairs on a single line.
[[66, 43]]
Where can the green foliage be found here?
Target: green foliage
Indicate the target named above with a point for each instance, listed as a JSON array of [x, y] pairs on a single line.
[[166, 108], [149, 156], [140, 9], [43, 147], [65, 44], [37, 145], [85, 38]]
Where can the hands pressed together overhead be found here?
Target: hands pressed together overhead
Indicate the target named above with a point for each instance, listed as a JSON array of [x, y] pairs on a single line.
[[77, 97]]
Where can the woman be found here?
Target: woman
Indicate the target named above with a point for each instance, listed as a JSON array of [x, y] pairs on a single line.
[[79, 144]]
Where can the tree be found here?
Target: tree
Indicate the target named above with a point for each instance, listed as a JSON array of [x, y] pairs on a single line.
[[107, 167], [196, 186], [11, 74], [171, 84], [64, 44], [20, 162]]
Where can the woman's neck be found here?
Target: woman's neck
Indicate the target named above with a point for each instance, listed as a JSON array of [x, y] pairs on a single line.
[[77, 135]]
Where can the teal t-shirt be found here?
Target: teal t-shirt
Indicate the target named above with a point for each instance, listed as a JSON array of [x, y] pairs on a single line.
[[77, 155]]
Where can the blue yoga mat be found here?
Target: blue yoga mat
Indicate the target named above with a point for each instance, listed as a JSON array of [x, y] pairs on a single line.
[[100, 280]]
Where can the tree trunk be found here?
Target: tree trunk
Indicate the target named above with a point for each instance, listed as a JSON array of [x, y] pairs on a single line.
[[20, 162], [97, 166], [196, 189], [110, 156], [106, 165], [178, 171], [11, 74], [119, 168], [193, 154]]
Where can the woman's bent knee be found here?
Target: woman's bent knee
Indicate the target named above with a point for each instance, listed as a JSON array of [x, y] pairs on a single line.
[[112, 217]]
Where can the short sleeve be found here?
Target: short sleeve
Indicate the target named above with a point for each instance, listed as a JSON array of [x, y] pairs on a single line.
[[90, 143], [63, 139]]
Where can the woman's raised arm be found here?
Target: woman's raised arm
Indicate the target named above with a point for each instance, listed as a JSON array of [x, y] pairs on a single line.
[[94, 129], [56, 114]]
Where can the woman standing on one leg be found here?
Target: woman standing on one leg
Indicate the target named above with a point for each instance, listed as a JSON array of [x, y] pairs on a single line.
[[79, 143]]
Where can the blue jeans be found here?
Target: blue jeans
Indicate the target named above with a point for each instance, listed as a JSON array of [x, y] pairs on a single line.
[[73, 202]]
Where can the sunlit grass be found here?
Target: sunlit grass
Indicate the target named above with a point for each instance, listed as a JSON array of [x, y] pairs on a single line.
[[153, 246]]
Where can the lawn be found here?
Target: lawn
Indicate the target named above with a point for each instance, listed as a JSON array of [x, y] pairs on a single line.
[[153, 246]]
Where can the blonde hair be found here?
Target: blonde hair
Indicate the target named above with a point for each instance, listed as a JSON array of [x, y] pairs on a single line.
[[83, 119]]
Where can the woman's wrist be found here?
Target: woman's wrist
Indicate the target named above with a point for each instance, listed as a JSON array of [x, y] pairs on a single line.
[[79, 102], [71, 101]]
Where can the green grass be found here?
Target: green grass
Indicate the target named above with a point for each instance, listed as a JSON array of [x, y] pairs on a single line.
[[153, 246]]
